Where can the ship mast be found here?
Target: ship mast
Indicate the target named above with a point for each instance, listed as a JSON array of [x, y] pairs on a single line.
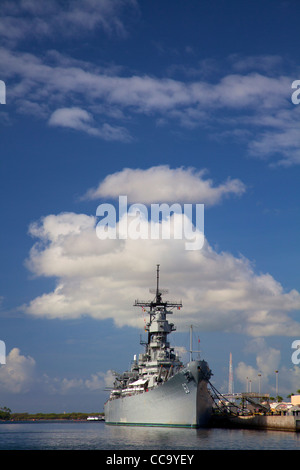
[[158, 327], [158, 294], [158, 298]]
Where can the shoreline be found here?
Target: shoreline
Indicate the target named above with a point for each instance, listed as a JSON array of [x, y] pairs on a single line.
[[32, 417]]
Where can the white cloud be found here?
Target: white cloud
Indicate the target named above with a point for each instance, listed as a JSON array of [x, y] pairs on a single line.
[[18, 374], [79, 119], [280, 137], [266, 63], [268, 360], [102, 278], [171, 185], [75, 118], [63, 386], [145, 94], [288, 380], [68, 91], [40, 18], [100, 380]]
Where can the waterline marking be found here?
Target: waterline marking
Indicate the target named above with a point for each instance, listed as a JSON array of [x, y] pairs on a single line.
[[166, 222]]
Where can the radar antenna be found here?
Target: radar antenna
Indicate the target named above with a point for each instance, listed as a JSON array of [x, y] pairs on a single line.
[[158, 292], [158, 299]]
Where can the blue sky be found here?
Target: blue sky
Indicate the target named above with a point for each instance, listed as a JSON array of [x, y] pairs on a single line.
[[165, 102]]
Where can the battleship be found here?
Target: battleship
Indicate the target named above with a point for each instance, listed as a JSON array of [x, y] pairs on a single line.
[[159, 390]]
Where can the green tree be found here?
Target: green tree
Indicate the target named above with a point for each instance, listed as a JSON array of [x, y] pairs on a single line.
[[5, 413]]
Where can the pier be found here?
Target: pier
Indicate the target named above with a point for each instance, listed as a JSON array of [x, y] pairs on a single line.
[[253, 411], [257, 421]]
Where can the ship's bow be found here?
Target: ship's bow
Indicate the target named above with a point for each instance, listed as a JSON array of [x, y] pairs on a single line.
[[201, 374]]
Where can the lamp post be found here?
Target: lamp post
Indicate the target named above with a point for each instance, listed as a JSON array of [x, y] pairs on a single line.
[[276, 374], [259, 377]]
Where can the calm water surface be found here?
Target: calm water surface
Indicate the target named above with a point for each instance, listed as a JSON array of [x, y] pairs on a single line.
[[98, 436]]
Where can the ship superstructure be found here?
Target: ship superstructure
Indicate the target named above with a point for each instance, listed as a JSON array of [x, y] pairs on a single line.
[[158, 389]]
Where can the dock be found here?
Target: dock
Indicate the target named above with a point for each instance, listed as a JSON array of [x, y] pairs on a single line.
[[254, 411], [257, 421]]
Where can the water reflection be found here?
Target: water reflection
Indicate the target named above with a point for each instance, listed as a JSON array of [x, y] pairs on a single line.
[[97, 435], [124, 437], [135, 437]]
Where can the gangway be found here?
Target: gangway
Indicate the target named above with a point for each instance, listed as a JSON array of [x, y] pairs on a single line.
[[228, 401]]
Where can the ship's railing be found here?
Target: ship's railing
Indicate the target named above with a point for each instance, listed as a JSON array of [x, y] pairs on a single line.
[[127, 392]]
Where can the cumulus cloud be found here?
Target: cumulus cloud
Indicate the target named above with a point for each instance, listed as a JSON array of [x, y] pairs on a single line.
[[102, 278], [99, 380], [18, 374], [179, 184], [268, 359], [63, 386]]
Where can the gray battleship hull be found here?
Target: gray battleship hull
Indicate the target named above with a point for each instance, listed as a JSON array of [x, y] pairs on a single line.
[[181, 401]]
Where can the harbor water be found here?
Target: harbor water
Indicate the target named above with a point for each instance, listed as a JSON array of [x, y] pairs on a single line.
[[70, 435]]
